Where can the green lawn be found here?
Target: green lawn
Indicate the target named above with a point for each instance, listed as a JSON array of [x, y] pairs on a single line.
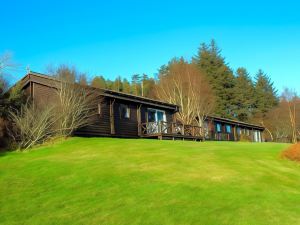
[[121, 181]]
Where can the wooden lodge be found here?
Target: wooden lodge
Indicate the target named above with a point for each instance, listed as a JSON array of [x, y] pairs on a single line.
[[125, 115], [221, 129]]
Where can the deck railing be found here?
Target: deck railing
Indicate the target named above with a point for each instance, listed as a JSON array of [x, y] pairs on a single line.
[[152, 128], [217, 136]]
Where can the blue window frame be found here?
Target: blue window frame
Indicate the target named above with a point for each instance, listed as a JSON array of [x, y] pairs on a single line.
[[219, 128], [228, 129]]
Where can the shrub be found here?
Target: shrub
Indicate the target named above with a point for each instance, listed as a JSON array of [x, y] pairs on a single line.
[[3, 139], [31, 125], [245, 138], [292, 153], [75, 108]]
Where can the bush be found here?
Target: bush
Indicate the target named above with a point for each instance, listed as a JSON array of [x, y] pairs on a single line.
[[3, 138], [292, 153], [31, 125], [245, 138]]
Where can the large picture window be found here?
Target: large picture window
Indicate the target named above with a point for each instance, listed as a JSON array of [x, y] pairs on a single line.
[[124, 111]]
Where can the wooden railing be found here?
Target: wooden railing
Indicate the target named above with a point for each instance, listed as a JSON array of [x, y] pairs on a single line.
[[220, 136], [170, 128]]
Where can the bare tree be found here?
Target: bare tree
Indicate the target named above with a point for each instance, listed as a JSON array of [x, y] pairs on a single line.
[[6, 63], [75, 107], [31, 125], [289, 98], [184, 85], [281, 122], [68, 74]]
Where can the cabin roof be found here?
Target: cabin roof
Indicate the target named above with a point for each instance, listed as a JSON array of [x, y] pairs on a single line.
[[105, 92], [29, 77], [235, 122]]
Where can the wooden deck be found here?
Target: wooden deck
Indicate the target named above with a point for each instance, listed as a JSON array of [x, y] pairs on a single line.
[[170, 131]]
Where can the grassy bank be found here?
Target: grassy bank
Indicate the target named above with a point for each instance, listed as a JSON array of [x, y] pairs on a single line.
[[121, 181]]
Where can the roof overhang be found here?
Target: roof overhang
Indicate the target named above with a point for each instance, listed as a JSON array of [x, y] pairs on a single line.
[[235, 122], [50, 82]]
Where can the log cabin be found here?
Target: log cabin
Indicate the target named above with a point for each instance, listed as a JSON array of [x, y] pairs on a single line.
[[130, 116]]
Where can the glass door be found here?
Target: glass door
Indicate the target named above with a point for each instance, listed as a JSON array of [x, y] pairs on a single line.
[[161, 117], [155, 121]]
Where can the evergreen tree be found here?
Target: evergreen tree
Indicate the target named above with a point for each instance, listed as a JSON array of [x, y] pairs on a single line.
[[147, 86], [136, 84], [98, 82], [126, 86], [265, 93], [244, 93], [109, 84], [220, 76], [117, 84], [165, 69], [151, 88]]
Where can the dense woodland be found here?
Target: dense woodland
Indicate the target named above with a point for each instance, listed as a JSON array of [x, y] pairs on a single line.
[[203, 85]]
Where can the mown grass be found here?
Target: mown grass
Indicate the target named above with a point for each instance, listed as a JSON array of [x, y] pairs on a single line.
[[121, 181]]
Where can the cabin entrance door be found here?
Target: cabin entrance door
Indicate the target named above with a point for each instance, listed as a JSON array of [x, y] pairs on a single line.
[[156, 119]]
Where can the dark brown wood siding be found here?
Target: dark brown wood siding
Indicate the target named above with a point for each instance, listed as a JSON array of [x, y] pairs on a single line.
[[126, 126], [101, 122], [43, 92]]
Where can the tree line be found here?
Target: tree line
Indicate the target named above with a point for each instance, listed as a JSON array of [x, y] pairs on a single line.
[[206, 85], [203, 85], [236, 94]]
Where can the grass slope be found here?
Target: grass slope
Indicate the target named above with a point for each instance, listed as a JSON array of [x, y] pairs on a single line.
[[120, 181]]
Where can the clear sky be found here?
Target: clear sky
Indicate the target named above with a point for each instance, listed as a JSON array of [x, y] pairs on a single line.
[[113, 38]]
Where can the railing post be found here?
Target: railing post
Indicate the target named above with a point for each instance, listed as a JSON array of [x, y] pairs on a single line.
[[159, 127], [182, 129]]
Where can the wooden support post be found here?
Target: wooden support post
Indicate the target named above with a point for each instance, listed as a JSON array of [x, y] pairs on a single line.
[[111, 116], [234, 133], [139, 120]]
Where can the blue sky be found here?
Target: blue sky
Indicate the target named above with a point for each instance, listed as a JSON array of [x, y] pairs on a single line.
[[114, 38]]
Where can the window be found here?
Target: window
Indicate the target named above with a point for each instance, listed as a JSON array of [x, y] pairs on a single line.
[[228, 129], [124, 111], [151, 115], [219, 128]]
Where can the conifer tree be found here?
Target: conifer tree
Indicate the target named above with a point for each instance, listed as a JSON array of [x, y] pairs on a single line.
[[265, 93], [98, 82], [220, 76], [244, 94], [109, 84], [136, 84], [126, 86], [117, 84], [147, 84]]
